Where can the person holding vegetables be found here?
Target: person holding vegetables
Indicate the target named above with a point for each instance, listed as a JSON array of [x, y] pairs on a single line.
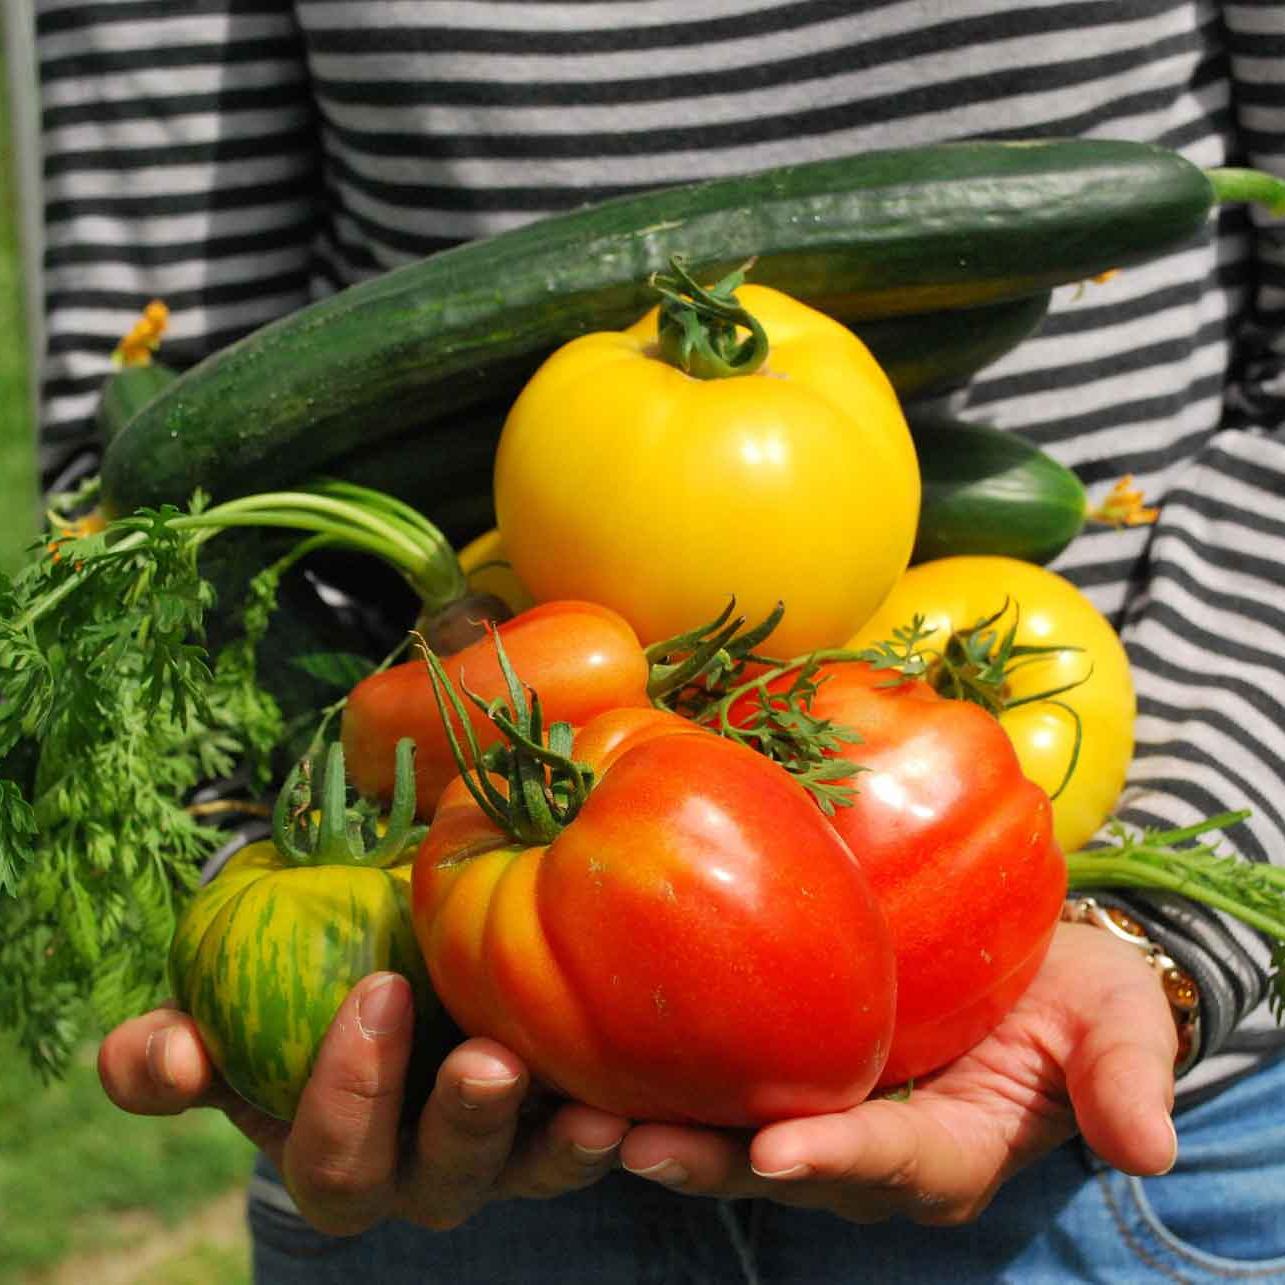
[[173, 173]]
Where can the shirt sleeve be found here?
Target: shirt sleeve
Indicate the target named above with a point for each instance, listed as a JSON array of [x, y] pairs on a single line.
[[1206, 635], [181, 164]]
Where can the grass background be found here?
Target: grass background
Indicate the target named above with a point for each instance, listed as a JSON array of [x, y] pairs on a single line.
[[87, 1193], [80, 1179], [17, 433]]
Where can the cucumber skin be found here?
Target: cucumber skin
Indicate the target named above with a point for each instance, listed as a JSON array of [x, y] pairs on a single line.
[[988, 491], [873, 235], [126, 392], [928, 353]]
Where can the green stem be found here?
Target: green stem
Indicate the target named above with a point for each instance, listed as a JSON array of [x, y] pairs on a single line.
[[1145, 868], [1251, 892], [361, 519], [711, 651], [719, 713], [546, 787], [335, 840], [699, 328], [1253, 186], [339, 513]]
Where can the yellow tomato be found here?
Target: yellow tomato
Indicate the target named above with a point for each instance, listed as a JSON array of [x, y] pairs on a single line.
[[623, 480], [953, 594]]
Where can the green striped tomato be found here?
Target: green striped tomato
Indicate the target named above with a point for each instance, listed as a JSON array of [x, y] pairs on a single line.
[[264, 954]]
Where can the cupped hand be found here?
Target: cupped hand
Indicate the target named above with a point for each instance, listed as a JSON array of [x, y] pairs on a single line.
[[1090, 1045], [345, 1157]]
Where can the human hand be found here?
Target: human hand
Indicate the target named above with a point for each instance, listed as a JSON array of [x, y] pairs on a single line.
[[1090, 1045], [345, 1158]]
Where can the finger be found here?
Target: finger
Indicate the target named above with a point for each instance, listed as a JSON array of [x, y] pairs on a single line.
[[1119, 1074], [707, 1162], [577, 1146], [340, 1159], [155, 1064], [879, 1159], [466, 1134]]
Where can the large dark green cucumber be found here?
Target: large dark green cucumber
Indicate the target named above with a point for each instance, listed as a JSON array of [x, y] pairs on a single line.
[[873, 235], [929, 352], [986, 490]]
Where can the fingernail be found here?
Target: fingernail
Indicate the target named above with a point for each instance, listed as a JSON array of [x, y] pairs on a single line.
[[383, 1006], [157, 1054], [475, 1092], [592, 1155], [1173, 1160], [667, 1172], [779, 1175]]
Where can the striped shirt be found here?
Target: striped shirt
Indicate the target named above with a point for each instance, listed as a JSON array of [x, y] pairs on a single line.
[[238, 158]]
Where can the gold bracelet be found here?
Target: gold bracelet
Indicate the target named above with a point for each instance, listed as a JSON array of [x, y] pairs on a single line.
[[1179, 986]]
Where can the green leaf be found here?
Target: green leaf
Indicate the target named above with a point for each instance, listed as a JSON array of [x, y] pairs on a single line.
[[342, 670], [17, 835]]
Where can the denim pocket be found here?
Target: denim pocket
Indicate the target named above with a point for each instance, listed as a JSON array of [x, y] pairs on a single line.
[[1221, 1213], [1204, 1232]]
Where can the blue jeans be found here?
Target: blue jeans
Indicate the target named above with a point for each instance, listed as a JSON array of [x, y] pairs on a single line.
[[1219, 1215]]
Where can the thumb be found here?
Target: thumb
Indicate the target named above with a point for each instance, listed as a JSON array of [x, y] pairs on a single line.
[[341, 1157], [1120, 1073]]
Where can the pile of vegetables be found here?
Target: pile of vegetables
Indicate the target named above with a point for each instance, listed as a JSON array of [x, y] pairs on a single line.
[[738, 772]]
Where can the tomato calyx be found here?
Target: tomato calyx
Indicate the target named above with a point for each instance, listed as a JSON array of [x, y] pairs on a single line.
[[545, 786], [977, 665], [699, 328], [688, 670], [339, 834]]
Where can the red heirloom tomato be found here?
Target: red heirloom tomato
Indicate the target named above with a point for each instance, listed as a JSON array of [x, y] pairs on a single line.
[[581, 657], [696, 944], [958, 846]]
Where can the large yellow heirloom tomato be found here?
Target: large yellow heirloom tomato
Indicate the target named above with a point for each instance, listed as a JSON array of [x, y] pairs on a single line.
[[953, 594], [623, 480]]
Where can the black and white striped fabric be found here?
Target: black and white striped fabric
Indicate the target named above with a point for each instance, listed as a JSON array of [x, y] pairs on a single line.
[[239, 157]]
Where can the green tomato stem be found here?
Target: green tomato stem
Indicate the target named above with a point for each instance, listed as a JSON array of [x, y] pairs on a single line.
[[335, 840], [546, 787], [699, 328]]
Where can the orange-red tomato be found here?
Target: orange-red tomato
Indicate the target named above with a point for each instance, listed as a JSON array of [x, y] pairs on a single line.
[[582, 659], [697, 944], [959, 848]]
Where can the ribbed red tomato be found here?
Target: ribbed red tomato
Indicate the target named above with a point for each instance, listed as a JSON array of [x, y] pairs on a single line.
[[958, 846], [697, 944]]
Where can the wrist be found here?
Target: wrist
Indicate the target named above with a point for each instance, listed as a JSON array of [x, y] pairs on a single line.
[[1180, 989]]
